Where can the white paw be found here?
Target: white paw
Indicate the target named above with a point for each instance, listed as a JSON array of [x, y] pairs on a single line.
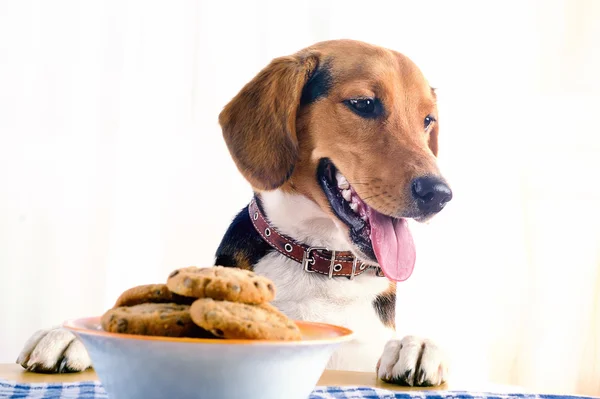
[[412, 361], [54, 351]]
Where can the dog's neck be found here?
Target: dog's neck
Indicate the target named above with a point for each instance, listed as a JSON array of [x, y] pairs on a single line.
[[295, 216], [301, 219]]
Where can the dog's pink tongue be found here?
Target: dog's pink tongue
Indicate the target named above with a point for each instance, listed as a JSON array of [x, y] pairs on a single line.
[[393, 245]]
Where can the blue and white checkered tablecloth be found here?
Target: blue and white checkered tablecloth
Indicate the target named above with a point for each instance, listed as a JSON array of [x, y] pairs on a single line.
[[93, 390]]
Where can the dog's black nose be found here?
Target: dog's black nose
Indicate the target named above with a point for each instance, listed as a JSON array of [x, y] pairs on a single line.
[[431, 193]]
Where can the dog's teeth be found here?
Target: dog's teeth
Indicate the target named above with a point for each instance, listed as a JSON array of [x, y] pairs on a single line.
[[364, 217], [341, 181], [347, 195], [354, 206]]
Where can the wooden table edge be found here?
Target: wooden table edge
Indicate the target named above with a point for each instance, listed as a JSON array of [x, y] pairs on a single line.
[[15, 373]]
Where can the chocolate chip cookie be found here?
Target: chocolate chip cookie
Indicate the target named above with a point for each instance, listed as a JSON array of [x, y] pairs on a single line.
[[232, 320], [157, 319], [150, 293], [222, 283]]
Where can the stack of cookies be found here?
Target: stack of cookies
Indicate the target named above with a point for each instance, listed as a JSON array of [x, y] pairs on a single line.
[[214, 302]]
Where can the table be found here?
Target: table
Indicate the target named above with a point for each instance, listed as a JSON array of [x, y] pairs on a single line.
[[14, 372]]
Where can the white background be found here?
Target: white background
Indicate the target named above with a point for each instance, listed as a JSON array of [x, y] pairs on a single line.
[[113, 170]]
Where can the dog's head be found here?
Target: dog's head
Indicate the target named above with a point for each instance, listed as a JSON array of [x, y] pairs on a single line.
[[353, 127]]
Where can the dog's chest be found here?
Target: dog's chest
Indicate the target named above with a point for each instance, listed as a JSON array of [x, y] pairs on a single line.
[[340, 301]]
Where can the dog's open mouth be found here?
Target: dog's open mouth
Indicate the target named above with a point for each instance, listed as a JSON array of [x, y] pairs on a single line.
[[381, 238]]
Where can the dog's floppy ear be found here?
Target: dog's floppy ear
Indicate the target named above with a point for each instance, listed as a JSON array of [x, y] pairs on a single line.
[[259, 123]]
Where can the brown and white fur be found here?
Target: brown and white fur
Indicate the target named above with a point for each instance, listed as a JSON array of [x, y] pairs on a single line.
[[299, 110]]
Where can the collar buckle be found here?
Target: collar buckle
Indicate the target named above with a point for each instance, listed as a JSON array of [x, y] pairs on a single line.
[[307, 259]]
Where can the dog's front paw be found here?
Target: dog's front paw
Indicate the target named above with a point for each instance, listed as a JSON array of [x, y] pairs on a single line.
[[412, 361], [54, 351]]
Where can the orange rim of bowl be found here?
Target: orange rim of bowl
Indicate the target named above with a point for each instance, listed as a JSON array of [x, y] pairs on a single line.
[[343, 335]]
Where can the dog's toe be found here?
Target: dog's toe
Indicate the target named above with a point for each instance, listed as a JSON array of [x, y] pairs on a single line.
[[412, 361], [29, 346], [54, 351], [75, 358]]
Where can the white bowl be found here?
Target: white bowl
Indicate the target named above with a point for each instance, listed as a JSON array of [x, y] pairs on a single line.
[[144, 367]]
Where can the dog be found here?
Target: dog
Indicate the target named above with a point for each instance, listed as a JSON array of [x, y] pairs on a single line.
[[339, 142]]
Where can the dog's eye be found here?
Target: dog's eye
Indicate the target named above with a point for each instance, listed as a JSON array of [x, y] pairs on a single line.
[[429, 121], [365, 107]]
